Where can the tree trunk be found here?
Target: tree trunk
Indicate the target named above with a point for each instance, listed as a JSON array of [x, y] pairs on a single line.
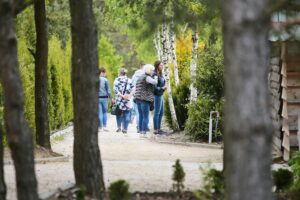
[[85, 85], [165, 49], [173, 55], [18, 132], [248, 126], [193, 64], [41, 77], [157, 44], [2, 181]]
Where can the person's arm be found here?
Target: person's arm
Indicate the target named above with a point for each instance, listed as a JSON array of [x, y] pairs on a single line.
[[151, 80], [108, 89]]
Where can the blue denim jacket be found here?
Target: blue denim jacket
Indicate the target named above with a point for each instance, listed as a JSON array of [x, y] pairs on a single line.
[[158, 91], [104, 90]]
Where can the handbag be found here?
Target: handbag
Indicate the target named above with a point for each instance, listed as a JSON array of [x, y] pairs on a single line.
[[151, 106]]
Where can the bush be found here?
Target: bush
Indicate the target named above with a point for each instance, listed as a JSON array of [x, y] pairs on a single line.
[[283, 179], [180, 99], [197, 125], [119, 190], [178, 177], [295, 165], [213, 187]]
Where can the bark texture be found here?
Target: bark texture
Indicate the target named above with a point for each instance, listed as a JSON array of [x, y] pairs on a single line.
[[41, 77], [85, 85], [18, 132], [2, 181], [193, 64], [165, 56], [248, 125], [157, 43], [173, 55]]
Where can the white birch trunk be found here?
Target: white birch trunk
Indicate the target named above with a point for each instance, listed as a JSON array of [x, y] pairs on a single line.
[[157, 44], [165, 49], [193, 64], [173, 55]]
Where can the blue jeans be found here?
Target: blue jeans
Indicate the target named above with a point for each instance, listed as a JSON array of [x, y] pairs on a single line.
[[158, 111], [123, 119], [103, 106], [144, 109]]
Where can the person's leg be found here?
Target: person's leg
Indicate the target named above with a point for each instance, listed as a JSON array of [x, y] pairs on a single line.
[[104, 109], [100, 114], [161, 113], [126, 120], [156, 113], [119, 120], [139, 105], [145, 115], [137, 115]]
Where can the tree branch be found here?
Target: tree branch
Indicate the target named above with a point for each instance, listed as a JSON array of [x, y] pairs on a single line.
[[288, 23], [20, 5]]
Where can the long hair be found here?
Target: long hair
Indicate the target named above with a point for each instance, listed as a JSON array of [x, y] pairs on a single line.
[[156, 67]]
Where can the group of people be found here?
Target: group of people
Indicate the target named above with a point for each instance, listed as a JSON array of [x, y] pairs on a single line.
[[134, 97]]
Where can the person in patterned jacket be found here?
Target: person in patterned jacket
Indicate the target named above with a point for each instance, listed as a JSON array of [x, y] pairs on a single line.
[[124, 90]]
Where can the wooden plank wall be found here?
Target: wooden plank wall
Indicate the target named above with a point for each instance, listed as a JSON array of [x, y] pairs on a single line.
[[293, 88]]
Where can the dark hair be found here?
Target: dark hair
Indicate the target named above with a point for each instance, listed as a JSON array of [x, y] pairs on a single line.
[[156, 66], [102, 70]]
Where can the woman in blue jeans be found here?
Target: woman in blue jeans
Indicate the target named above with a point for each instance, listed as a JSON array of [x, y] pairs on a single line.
[[158, 98], [104, 95], [144, 96]]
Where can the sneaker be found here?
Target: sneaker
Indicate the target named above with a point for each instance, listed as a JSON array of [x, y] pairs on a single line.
[[105, 129], [155, 132], [147, 130], [118, 130], [161, 132], [124, 131]]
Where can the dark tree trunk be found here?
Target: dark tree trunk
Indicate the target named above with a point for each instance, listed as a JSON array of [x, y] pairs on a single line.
[[18, 132], [248, 126], [2, 182], [41, 77], [85, 85]]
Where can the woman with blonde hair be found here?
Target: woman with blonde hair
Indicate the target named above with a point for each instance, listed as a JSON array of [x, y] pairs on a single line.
[[144, 96]]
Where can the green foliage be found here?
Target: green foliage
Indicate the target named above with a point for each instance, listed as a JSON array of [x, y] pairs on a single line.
[[213, 186], [178, 176], [209, 83], [283, 179], [180, 99], [295, 165], [81, 193], [197, 124], [119, 190]]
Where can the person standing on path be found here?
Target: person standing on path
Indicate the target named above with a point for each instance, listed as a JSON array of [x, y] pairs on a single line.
[[159, 90], [144, 96], [137, 74], [124, 90], [104, 95]]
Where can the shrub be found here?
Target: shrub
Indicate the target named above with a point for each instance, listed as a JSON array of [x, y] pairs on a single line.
[[197, 125], [180, 99], [178, 177], [213, 187], [295, 165], [119, 190], [283, 179]]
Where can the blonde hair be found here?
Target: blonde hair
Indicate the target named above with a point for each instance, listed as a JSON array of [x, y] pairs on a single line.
[[148, 68]]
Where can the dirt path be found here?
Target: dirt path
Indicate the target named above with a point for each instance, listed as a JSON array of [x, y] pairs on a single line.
[[143, 162]]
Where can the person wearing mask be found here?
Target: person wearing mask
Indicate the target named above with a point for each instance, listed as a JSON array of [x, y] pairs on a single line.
[[124, 90], [159, 90], [144, 96], [104, 95]]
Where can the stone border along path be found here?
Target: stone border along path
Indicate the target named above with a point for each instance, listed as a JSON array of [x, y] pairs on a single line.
[[143, 162]]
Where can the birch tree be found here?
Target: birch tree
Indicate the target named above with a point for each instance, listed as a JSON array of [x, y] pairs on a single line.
[[165, 48], [173, 53], [248, 126], [193, 64], [18, 133], [85, 87], [41, 77], [2, 181], [157, 43]]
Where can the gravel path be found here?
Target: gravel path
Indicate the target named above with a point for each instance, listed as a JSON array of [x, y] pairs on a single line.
[[143, 162]]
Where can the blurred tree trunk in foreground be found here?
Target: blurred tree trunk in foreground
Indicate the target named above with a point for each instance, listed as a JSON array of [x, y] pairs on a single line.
[[248, 126]]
